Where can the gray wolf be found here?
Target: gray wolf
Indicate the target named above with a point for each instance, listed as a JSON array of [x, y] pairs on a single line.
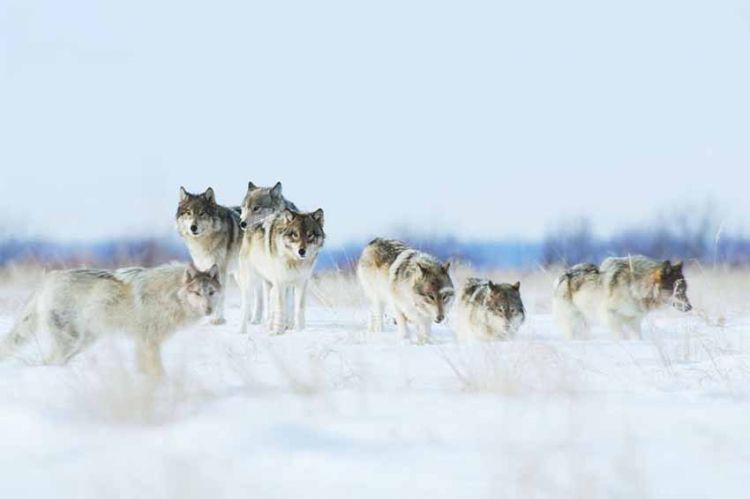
[[488, 310], [261, 204], [620, 292], [212, 235], [78, 306], [281, 251], [414, 284]]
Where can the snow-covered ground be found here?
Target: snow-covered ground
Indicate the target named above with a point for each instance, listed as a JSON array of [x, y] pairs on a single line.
[[335, 412]]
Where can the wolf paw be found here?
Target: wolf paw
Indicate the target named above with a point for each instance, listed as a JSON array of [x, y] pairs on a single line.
[[218, 321]]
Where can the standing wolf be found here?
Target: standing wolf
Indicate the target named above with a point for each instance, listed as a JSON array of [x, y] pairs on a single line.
[[414, 284], [261, 204], [78, 306], [621, 292], [281, 251], [212, 235], [488, 310]]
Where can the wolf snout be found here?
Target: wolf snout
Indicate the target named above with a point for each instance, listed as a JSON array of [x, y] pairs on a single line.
[[302, 252], [440, 318], [194, 229], [243, 225]]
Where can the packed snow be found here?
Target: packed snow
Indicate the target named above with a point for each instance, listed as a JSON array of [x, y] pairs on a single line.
[[336, 412]]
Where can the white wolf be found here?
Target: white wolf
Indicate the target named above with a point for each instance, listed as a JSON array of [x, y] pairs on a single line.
[[414, 284], [78, 306], [282, 251], [620, 292], [259, 205]]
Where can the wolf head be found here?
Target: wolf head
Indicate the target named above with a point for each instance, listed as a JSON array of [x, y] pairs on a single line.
[[433, 289], [673, 286], [504, 301], [260, 203], [197, 213], [301, 234], [201, 289]]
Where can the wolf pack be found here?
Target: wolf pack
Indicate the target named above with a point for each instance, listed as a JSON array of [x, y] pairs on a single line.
[[270, 247]]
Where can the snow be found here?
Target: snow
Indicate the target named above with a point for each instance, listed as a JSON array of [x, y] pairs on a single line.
[[336, 412]]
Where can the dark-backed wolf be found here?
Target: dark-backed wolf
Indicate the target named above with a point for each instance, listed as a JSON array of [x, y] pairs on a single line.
[[413, 283], [212, 235], [620, 292]]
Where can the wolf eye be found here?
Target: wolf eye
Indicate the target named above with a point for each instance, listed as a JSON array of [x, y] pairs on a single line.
[[294, 235], [256, 209], [189, 212], [211, 292]]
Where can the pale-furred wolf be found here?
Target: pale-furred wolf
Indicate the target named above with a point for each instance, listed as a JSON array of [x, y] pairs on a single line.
[[78, 306], [212, 235], [487, 310], [281, 251], [259, 205], [414, 284], [620, 293]]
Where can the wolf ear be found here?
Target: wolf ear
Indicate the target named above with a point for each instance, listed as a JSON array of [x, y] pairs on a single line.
[[517, 285], [213, 272], [288, 215], [318, 216], [678, 265], [184, 195], [251, 186], [446, 266], [276, 190], [190, 272], [209, 195]]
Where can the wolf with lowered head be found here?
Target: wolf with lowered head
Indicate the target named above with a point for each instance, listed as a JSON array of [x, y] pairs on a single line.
[[488, 310], [281, 251], [212, 235], [76, 307], [414, 284], [620, 292]]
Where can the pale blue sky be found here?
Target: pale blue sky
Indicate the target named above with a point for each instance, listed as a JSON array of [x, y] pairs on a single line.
[[483, 119]]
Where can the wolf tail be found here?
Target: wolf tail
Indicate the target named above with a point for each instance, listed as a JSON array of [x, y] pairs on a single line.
[[22, 330], [562, 287]]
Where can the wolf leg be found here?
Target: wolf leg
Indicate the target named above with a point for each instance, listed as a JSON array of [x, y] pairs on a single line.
[[66, 343], [258, 300], [617, 324], [277, 322], [148, 356], [299, 292], [403, 330], [244, 280], [376, 316], [633, 325], [424, 331], [570, 319]]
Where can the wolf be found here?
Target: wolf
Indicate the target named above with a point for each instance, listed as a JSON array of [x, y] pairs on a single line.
[[212, 235], [259, 205], [488, 310], [414, 284], [621, 292], [282, 251], [78, 306]]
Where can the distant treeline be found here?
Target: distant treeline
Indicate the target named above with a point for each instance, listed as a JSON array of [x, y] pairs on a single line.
[[569, 243]]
